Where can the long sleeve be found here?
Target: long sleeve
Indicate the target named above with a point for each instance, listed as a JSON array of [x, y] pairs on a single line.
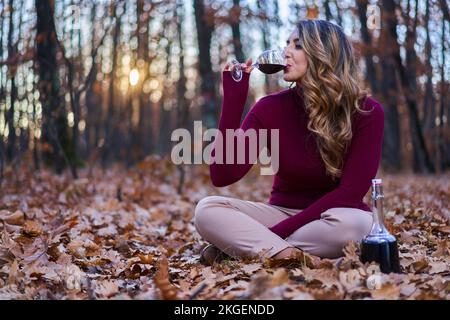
[[359, 169], [224, 169]]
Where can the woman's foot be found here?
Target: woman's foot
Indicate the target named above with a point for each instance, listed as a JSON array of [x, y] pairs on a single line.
[[297, 254], [211, 254]]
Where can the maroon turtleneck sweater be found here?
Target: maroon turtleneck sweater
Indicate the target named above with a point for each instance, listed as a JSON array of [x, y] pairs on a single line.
[[301, 181]]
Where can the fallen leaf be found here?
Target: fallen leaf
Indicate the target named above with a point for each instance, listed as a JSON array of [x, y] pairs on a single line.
[[279, 277], [445, 229], [16, 218], [32, 228], [168, 290], [106, 288], [438, 267], [251, 268], [14, 273], [387, 292]]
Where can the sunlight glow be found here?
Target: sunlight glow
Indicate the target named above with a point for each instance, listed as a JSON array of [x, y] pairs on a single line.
[[134, 77]]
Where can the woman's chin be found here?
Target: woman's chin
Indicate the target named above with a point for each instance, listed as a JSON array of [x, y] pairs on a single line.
[[288, 78]]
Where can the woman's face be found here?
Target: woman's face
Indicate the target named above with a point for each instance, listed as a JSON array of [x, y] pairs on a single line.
[[295, 59]]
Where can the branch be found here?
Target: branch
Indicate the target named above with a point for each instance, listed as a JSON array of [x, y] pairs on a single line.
[[89, 77], [19, 58], [445, 9]]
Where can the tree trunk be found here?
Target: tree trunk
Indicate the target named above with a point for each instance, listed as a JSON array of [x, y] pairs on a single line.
[[2, 97], [262, 7], [12, 69], [338, 12], [164, 110], [110, 121], [183, 107], [236, 31], [57, 145], [392, 161], [371, 74], [76, 103], [445, 10], [205, 28], [429, 102], [442, 156], [91, 95], [144, 107], [421, 159], [328, 15]]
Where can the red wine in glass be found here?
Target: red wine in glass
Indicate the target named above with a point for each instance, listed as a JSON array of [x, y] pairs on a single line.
[[270, 68], [268, 62]]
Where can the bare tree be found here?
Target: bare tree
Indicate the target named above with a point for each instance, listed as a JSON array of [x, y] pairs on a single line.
[[183, 104], [111, 116], [236, 31], [328, 15], [58, 147], [165, 109], [421, 158], [371, 72], [442, 149], [429, 103], [445, 10], [391, 160], [205, 28], [12, 69], [2, 94]]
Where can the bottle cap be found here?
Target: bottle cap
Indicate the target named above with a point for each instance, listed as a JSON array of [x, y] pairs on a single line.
[[377, 181]]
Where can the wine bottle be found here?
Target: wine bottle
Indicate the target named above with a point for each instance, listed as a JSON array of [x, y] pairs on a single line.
[[379, 245]]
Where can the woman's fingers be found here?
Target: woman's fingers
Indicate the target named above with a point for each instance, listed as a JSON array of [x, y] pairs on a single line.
[[248, 65]]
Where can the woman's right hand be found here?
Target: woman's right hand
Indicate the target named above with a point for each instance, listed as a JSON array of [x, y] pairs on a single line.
[[247, 66]]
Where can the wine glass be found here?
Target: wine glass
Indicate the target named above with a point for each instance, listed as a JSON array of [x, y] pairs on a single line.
[[268, 62]]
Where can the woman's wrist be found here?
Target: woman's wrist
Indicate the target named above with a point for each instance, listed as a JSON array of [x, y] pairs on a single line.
[[238, 86], [235, 92]]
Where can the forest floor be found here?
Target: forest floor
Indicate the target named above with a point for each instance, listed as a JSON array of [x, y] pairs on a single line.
[[127, 234]]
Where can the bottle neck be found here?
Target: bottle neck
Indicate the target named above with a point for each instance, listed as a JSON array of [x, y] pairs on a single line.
[[378, 226]]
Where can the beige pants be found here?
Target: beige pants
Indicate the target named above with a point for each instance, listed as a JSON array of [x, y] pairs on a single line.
[[240, 228]]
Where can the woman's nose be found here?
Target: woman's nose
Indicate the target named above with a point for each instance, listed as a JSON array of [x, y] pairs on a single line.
[[287, 53]]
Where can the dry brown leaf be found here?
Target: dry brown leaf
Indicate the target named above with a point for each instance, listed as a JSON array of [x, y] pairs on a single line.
[[387, 291], [14, 273], [146, 259], [280, 277], [438, 267], [106, 288], [442, 248], [350, 279], [251, 268], [32, 228], [420, 265], [16, 218], [408, 289], [77, 249], [445, 229], [167, 290]]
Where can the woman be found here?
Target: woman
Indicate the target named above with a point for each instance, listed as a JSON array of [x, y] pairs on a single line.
[[330, 138]]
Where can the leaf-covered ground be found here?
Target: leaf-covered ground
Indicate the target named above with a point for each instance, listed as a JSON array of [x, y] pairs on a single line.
[[126, 234]]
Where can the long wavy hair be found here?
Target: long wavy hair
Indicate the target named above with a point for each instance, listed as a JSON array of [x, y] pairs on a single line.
[[330, 90]]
